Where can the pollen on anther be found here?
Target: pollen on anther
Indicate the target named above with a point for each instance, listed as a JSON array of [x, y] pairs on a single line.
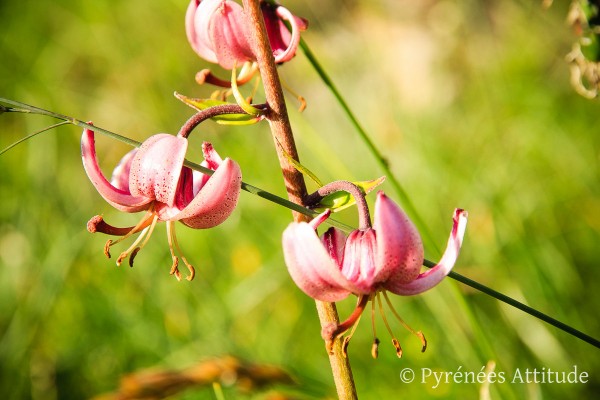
[[132, 256], [175, 269], [423, 341], [375, 348], [107, 248], [396, 344]]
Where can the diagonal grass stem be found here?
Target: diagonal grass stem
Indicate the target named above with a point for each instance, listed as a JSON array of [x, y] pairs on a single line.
[[379, 158], [25, 108]]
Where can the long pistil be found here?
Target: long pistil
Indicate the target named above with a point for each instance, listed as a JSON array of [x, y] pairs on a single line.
[[97, 224], [349, 336], [331, 332]]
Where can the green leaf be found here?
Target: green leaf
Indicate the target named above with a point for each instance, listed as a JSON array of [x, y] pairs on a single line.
[[300, 167]]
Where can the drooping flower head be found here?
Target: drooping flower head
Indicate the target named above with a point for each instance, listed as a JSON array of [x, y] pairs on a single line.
[[218, 32], [153, 178], [386, 256]]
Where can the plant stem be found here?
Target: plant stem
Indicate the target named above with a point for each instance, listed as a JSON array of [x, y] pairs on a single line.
[[207, 113], [294, 181], [28, 109], [381, 160], [364, 217]]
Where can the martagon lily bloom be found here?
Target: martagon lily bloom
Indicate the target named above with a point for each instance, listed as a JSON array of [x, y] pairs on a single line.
[[371, 260], [218, 32], [153, 178]]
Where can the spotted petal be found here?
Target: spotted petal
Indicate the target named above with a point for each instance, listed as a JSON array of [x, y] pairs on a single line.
[[310, 266], [119, 198], [432, 277], [399, 246], [216, 200], [229, 34], [156, 168]]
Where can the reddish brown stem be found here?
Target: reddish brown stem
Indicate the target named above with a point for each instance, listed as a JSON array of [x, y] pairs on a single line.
[[294, 181], [210, 112], [338, 186]]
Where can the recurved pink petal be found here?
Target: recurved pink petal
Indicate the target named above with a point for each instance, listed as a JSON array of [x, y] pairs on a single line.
[[229, 35], [215, 202], [212, 160], [156, 168], [120, 175], [197, 20], [432, 277], [190, 29], [283, 44], [310, 266], [117, 197], [399, 247]]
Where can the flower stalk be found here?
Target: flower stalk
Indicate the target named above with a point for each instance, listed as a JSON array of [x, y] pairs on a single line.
[[23, 108], [208, 113], [294, 181]]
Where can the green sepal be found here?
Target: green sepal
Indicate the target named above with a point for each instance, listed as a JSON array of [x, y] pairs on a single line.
[[241, 101], [341, 200], [224, 119]]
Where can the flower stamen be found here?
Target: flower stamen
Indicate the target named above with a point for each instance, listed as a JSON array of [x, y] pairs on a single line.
[[375, 346], [247, 72], [174, 267], [134, 248], [395, 341], [298, 97], [174, 246], [418, 334], [131, 248], [143, 224]]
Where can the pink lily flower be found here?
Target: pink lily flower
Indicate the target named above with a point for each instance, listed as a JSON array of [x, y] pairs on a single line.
[[385, 257], [217, 32], [153, 178]]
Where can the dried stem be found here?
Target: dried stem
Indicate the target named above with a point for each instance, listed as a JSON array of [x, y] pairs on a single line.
[[294, 181]]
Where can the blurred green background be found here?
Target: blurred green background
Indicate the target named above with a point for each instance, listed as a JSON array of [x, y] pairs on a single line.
[[471, 104]]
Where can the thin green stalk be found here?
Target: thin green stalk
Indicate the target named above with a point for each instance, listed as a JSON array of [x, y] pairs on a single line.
[[25, 108], [517, 304], [18, 142], [381, 160], [412, 210]]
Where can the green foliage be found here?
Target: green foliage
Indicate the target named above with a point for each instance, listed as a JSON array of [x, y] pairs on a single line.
[[470, 103]]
